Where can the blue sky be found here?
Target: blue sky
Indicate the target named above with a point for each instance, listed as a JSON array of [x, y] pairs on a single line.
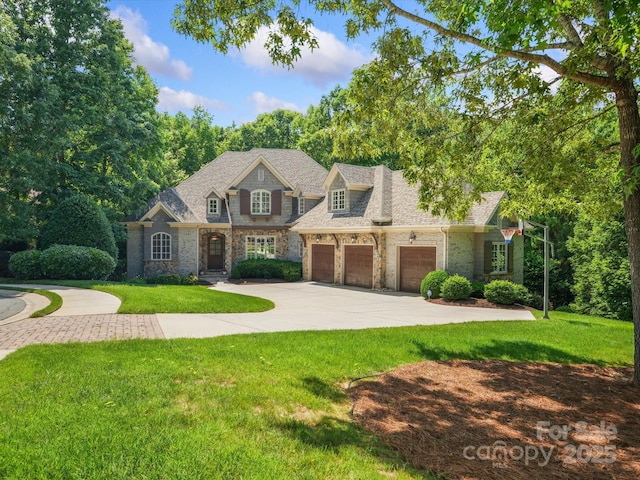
[[241, 85]]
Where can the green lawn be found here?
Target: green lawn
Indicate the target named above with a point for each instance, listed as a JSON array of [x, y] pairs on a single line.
[[171, 298], [263, 406]]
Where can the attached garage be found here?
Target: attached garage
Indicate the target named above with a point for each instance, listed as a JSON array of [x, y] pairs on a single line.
[[358, 265], [415, 263], [322, 261]]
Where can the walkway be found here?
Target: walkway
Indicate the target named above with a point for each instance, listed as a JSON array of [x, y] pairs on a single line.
[[89, 315]]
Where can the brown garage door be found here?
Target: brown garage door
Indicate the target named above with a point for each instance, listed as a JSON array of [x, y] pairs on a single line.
[[358, 265], [415, 263], [322, 263]]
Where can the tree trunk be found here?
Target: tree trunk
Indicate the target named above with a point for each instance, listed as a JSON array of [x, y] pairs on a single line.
[[629, 124]]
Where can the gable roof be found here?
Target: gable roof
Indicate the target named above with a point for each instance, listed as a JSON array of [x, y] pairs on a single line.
[[294, 167], [392, 201], [355, 176]]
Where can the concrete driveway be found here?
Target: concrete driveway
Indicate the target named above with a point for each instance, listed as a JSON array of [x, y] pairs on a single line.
[[316, 306]]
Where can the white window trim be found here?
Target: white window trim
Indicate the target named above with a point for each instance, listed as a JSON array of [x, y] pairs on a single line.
[[301, 205], [336, 199], [213, 206], [500, 246], [263, 201], [162, 251], [262, 241]]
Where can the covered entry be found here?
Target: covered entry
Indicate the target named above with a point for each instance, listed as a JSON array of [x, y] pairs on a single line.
[[358, 265], [215, 252], [415, 263], [322, 261]]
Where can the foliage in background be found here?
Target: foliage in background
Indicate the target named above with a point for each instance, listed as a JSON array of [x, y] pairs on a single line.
[[75, 114], [268, 268], [78, 220], [26, 265], [601, 268]]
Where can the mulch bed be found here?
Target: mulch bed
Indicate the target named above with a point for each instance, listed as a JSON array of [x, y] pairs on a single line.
[[476, 302], [504, 420]]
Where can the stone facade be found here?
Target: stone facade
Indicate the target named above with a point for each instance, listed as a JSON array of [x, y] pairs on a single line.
[[239, 247], [205, 234]]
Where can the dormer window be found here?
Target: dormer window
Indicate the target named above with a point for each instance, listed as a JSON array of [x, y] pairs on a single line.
[[260, 202], [300, 205], [213, 206], [338, 199]]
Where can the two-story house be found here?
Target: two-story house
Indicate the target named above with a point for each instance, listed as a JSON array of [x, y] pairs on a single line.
[[241, 205], [359, 226]]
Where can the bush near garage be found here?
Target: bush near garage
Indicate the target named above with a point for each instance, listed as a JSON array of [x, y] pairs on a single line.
[[455, 287], [268, 268], [433, 281], [72, 262], [502, 292], [26, 265]]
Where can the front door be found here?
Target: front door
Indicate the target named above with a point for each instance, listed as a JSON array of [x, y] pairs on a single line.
[[216, 253]]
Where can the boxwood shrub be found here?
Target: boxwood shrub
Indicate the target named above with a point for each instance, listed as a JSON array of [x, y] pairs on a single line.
[[455, 287], [173, 279], [502, 292], [72, 262], [26, 265], [268, 268], [433, 281]]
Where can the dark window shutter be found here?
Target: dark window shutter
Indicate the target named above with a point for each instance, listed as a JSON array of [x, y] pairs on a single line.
[[487, 257], [276, 202], [245, 202], [294, 205], [510, 257]]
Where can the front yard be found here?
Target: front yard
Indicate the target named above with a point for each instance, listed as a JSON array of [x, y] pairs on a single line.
[[247, 406]]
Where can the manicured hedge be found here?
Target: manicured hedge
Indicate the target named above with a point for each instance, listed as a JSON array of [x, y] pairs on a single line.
[[433, 281], [501, 292], [455, 287], [62, 262], [263, 268], [173, 279]]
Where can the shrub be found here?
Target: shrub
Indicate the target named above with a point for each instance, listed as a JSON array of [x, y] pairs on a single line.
[[477, 289], [455, 287], [501, 292], [79, 221], [268, 268], [72, 262], [26, 265], [173, 279], [433, 281]]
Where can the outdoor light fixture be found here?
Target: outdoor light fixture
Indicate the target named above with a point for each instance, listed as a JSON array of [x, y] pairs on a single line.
[[412, 237], [353, 238], [318, 238]]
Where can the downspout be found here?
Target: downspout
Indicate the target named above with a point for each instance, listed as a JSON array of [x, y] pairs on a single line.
[[445, 262]]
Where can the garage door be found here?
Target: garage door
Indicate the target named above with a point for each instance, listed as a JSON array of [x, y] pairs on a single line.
[[415, 263], [358, 265], [322, 263]]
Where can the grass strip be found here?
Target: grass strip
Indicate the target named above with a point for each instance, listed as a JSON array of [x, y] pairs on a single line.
[[54, 299]]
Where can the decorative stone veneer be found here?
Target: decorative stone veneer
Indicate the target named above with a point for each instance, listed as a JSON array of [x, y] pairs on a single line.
[[153, 268], [239, 246]]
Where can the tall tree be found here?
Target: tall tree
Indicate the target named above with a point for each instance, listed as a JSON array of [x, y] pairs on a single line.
[[277, 129], [80, 117], [489, 52]]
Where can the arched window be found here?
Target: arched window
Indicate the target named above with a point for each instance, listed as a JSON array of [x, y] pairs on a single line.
[[160, 246], [260, 202]]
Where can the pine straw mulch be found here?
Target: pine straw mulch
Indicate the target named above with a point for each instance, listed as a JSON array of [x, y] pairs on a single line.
[[451, 418], [476, 302]]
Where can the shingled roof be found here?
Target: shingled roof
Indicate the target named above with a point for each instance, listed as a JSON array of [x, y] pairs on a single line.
[[391, 201], [187, 200]]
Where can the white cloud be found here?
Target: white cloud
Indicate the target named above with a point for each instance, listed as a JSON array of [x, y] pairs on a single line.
[[548, 75], [264, 104], [332, 61], [154, 56], [172, 101]]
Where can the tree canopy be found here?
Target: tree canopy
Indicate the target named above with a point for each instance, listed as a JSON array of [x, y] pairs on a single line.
[[487, 59]]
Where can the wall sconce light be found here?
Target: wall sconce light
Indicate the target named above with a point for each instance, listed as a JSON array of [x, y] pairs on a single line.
[[353, 238], [318, 238], [412, 237]]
